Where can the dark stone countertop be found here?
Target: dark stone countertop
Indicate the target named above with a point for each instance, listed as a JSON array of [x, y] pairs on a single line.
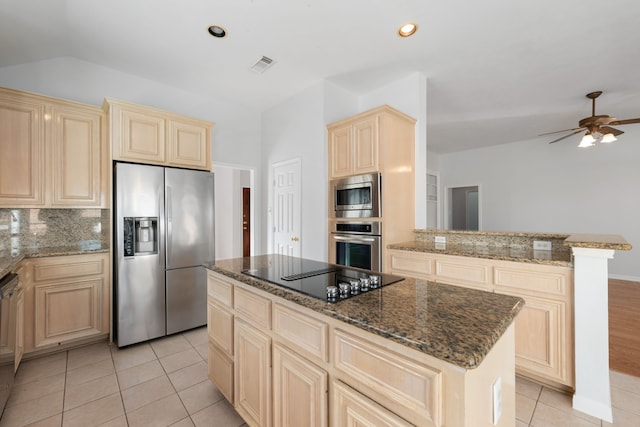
[[503, 253], [9, 261], [452, 323]]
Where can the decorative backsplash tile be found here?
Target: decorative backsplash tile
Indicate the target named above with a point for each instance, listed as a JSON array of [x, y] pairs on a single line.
[[29, 229]]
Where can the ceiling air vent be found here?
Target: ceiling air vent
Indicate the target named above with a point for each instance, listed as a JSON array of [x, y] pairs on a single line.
[[262, 64]]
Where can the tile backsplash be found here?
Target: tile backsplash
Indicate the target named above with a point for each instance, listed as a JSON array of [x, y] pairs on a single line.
[[27, 229]]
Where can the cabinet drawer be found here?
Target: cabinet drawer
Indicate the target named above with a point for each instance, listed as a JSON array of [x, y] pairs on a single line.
[[464, 272], [221, 371], [308, 335], [220, 327], [531, 280], [253, 307], [45, 270], [220, 290], [410, 389], [412, 264], [351, 408]]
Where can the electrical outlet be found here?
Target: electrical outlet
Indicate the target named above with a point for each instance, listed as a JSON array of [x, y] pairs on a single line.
[[441, 239], [497, 400], [541, 245]]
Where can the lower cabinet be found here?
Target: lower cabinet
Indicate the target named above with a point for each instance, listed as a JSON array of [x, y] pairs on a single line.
[[351, 408], [299, 390], [66, 300], [290, 366], [544, 327], [252, 376]]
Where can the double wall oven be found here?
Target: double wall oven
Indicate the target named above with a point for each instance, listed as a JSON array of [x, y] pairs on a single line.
[[355, 235]]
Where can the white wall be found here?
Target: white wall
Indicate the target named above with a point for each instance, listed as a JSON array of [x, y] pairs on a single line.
[[235, 137], [296, 129], [409, 95], [538, 187]]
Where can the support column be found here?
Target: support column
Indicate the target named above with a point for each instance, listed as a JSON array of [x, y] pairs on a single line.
[[591, 310]]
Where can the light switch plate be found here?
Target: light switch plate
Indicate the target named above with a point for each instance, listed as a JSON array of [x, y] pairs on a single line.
[[541, 245], [441, 239]]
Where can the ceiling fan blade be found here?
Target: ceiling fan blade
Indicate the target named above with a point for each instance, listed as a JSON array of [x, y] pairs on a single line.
[[625, 122], [558, 131], [567, 136], [607, 129]]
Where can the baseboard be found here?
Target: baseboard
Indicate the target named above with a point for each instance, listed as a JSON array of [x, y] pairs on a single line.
[[621, 277]]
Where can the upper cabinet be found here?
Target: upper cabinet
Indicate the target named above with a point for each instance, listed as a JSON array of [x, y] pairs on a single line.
[[375, 140], [53, 152], [147, 135]]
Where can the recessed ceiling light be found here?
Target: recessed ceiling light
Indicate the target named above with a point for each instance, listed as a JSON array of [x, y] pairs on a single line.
[[217, 31], [407, 29]]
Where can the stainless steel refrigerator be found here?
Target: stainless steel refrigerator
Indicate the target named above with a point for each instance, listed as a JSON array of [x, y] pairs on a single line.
[[164, 232]]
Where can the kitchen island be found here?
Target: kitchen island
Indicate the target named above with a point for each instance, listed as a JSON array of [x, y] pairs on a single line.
[[411, 353]]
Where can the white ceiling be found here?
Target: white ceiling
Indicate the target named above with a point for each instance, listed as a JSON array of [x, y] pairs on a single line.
[[498, 70]]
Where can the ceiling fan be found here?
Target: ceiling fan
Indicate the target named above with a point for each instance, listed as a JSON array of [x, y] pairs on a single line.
[[597, 127]]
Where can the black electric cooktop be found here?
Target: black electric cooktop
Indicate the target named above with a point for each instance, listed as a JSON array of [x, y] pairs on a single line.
[[320, 280]]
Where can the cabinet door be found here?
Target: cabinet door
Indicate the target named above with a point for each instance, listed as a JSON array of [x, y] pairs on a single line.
[[141, 137], [220, 370], [76, 157], [189, 145], [341, 151], [541, 347], [22, 147], [220, 327], [365, 151], [252, 376], [68, 311], [299, 391], [351, 408]]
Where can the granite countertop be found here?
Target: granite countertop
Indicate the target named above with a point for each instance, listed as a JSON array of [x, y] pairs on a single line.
[[452, 323], [598, 241], [9, 261], [504, 253]]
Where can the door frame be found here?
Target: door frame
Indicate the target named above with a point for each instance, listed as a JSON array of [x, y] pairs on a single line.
[[254, 190], [448, 208], [274, 166]]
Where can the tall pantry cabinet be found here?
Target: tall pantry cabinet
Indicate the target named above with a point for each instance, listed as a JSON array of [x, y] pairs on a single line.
[[378, 140]]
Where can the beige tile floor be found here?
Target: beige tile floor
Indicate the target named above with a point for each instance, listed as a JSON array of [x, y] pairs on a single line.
[[164, 383], [160, 383]]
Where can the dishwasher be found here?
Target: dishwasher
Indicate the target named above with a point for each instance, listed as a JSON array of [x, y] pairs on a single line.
[[8, 313]]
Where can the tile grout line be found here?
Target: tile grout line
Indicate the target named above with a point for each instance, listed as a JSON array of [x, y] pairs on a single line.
[[126, 419]]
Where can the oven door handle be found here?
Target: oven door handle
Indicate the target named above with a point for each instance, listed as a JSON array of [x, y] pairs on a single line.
[[354, 239]]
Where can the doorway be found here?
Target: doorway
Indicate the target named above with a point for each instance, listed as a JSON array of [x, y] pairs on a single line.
[[464, 208], [232, 184]]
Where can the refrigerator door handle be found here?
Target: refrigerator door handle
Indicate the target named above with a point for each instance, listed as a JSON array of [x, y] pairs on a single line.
[[169, 221], [160, 238]]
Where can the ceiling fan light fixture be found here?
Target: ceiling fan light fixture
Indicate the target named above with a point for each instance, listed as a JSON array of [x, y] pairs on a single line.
[[587, 140], [608, 138]]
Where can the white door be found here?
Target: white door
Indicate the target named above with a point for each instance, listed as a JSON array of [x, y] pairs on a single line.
[[286, 208]]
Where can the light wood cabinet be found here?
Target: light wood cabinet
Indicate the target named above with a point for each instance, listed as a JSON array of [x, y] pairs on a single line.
[[67, 301], [22, 146], [53, 152], [252, 375], [351, 408], [285, 371], [148, 135], [543, 328], [299, 390]]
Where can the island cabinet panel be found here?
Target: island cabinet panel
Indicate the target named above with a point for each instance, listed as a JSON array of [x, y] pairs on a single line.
[[351, 408], [302, 332], [220, 327], [147, 135], [544, 327], [252, 376], [220, 289], [220, 371], [299, 391], [252, 307], [404, 385], [67, 301]]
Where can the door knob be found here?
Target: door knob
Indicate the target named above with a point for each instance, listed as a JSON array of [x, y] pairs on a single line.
[[294, 239]]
